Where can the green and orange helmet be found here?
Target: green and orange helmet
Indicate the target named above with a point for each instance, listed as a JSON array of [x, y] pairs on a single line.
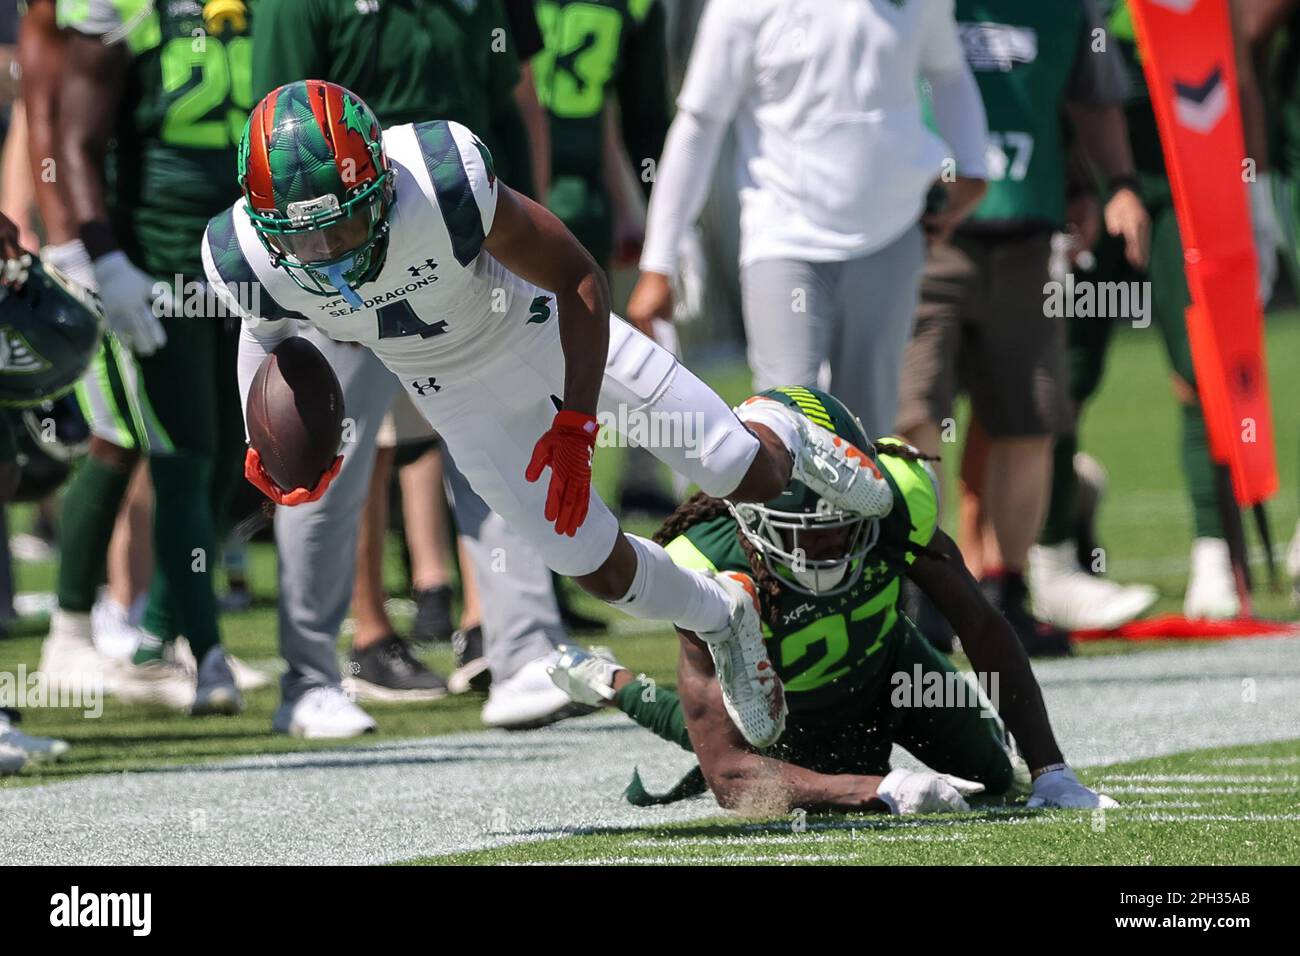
[[318, 186], [814, 547]]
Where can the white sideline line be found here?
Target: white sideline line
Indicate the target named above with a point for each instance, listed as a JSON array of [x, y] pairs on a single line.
[[1289, 761], [792, 839], [702, 858], [1194, 791], [1200, 778]]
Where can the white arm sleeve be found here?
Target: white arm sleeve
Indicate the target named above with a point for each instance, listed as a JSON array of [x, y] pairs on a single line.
[[959, 114], [681, 187], [955, 96], [255, 344]]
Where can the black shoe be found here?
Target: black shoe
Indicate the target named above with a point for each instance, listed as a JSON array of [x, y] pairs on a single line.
[[1008, 593], [471, 673], [574, 620], [387, 671], [920, 610], [432, 623]]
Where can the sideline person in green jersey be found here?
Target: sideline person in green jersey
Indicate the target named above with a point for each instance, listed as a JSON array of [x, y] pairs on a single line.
[[154, 98], [984, 326], [1211, 587], [857, 675]]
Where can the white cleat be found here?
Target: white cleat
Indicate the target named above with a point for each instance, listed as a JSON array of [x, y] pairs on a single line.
[[1212, 587], [586, 676], [35, 749], [69, 662], [751, 689], [323, 713], [835, 469], [1062, 593], [529, 698], [215, 690]]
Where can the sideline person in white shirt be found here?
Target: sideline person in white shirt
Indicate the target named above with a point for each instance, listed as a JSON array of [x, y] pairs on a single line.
[[834, 163]]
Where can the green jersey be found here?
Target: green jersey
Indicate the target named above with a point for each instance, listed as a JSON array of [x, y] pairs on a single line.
[[182, 112], [593, 49], [829, 649], [1030, 58], [411, 62]]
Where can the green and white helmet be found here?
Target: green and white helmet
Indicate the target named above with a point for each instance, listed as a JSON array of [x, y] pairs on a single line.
[[813, 546]]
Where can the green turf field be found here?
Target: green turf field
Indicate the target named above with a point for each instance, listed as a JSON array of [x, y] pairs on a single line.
[[1214, 807], [1145, 526]]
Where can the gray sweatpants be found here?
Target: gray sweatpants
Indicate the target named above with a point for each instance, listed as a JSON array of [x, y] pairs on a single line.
[[317, 545], [854, 315]]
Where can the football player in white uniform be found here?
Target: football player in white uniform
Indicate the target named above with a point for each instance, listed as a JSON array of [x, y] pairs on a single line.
[[497, 322]]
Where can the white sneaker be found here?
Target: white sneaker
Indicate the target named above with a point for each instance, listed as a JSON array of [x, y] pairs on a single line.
[[247, 677], [843, 474], [1211, 587], [160, 683], [1062, 593], [529, 698], [112, 631], [35, 748], [215, 691], [751, 690], [1293, 565], [586, 676], [322, 713], [69, 662]]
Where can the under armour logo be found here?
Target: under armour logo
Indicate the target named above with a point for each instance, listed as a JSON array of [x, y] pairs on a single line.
[[416, 270], [428, 384]]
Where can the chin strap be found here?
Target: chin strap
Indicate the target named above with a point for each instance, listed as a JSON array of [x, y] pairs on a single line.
[[335, 273]]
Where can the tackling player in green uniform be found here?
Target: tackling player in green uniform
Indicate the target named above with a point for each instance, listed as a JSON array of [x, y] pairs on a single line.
[[858, 677], [170, 86]]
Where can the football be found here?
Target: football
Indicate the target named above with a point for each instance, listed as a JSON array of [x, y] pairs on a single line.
[[295, 414]]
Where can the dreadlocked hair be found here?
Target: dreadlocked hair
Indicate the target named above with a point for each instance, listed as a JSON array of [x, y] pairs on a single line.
[[700, 508], [898, 449]]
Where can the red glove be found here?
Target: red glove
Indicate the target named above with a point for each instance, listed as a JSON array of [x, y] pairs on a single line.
[[567, 448], [256, 474]]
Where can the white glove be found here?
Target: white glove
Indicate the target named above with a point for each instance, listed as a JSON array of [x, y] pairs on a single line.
[[918, 791], [128, 298], [14, 271], [1061, 789], [72, 259], [1268, 233]]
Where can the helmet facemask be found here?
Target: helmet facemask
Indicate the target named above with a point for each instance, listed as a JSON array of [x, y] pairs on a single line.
[[819, 553], [329, 248]]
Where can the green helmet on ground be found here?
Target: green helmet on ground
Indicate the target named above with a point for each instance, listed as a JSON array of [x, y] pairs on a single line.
[[814, 547], [49, 331]]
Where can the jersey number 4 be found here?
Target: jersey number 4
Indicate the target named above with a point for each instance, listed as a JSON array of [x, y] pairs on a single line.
[[398, 319]]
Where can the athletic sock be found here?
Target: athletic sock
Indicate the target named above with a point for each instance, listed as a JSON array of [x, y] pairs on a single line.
[[657, 709], [185, 552], [1059, 525], [1199, 471], [90, 509], [662, 591], [773, 415]]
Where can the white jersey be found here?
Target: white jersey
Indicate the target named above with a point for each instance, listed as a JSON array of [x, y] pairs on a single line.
[[439, 301]]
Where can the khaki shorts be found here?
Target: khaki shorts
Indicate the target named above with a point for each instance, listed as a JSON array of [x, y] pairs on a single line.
[[981, 328], [403, 424]]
